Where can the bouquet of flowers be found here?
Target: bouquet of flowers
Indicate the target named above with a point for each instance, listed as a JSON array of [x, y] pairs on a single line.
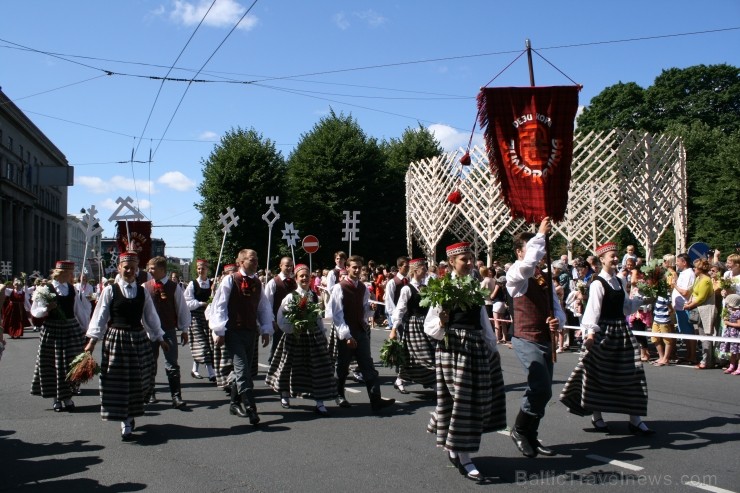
[[728, 284], [654, 284], [82, 368], [392, 354], [43, 295], [301, 313], [582, 287], [450, 293]]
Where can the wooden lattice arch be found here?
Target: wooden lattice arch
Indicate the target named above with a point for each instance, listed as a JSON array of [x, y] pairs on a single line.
[[619, 179]]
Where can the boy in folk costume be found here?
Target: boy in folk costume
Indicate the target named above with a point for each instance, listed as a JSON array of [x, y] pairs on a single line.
[[535, 332], [173, 315], [276, 290], [201, 343], [609, 376], [223, 362], [241, 312], [126, 320], [350, 310], [392, 293]]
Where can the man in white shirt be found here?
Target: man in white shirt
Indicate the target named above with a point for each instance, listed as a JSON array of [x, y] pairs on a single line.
[[276, 290], [680, 295]]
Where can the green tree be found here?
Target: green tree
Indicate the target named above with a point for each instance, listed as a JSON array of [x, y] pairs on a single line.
[[337, 167], [240, 172], [617, 106]]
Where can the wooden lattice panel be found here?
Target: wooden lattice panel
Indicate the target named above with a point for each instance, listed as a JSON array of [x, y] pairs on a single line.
[[619, 179]]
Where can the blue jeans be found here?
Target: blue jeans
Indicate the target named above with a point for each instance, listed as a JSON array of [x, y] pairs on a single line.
[[684, 326], [536, 359]]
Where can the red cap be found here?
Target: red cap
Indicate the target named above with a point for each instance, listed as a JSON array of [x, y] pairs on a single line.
[[229, 268], [129, 256], [200, 262], [416, 262], [300, 267], [65, 265], [458, 248], [606, 247]]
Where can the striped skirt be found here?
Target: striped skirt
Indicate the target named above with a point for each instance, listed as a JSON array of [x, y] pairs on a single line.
[[419, 350], [333, 347], [201, 342], [126, 371], [470, 392], [223, 365], [610, 377], [301, 365], [59, 343]]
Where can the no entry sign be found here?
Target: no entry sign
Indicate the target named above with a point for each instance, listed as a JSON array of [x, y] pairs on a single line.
[[310, 244]]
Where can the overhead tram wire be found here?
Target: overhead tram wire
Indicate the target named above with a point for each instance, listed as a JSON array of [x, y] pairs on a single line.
[[56, 88], [187, 88]]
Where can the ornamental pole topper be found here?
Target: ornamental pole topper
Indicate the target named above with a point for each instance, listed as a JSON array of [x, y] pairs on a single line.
[[271, 201], [290, 235], [6, 268], [351, 228], [228, 220]]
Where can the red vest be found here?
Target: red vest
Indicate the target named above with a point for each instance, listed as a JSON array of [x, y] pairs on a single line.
[[353, 304], [531, 312], [243, 302], [164, 302]]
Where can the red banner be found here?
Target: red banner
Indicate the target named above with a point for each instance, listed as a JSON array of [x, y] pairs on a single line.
[[529, 139], [141, 238]]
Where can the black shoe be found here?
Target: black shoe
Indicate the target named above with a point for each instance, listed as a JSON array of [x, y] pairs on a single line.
[[379, 403], [285, 402], [237, 409], [400, 388], [212, 379], [455, 461], [343, 403], [542, 450], [177, 402], [636, 430], [70, 408], [522, 443], [600, 425], [252, 415], [57, 406], [469, 471], [152, 398], [133, 424], [321, 411], [196, 375]]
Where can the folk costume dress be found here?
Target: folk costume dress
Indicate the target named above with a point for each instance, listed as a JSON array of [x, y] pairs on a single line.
[[127, 322], [16, 310], [610, 377], [60, 341], [301, 363], [200, 338], [470, 385], [276, 290], [418, 346]]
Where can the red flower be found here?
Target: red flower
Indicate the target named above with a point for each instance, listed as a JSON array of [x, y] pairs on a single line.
[[465, 159], [303, 303], [455, 197]]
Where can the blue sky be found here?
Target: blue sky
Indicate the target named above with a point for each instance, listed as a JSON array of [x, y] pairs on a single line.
[[306, 57]]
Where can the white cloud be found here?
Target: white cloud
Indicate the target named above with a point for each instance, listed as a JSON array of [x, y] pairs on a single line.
[[452, 139], [208, 135], [176, 181], [341, 21], [578, 113], [225, 13], [110, 204], [95, 184], [372, 18]]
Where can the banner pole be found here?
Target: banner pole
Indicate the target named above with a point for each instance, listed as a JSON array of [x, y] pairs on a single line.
[[528, 45]]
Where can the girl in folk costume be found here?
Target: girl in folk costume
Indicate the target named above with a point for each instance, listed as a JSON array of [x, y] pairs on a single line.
[[62, 336], [201, 341], [301, 363], [609, 376], [127, 322], [15, 309], [470, 386], [419, 348], [222, 360]]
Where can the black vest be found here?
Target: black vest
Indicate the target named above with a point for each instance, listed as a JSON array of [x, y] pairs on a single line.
[[612, 306], [413, 308], [66, 303], [126, 313], [200, 294], [466, 320]]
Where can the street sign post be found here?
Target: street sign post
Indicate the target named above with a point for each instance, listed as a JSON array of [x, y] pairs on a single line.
[[310, 245]]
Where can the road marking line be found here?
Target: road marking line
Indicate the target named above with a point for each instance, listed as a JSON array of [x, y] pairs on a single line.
[[707, 487], [613, 462], [354, 391], [262, 365], [504, 432]]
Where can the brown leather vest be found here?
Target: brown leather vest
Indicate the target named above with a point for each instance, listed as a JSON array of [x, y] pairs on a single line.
[[164, 302], [353, 305], [243, 302], [282, 289]]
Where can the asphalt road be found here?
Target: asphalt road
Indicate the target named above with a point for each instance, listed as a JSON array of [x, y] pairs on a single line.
[[205, 449]]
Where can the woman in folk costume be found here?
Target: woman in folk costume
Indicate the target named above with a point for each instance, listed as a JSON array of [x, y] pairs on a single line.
[[609, 376], [62, 336], [15, 309], [201, 341], [223, 362], [470, 386], [301, 363], [419, 348], [127, 322]]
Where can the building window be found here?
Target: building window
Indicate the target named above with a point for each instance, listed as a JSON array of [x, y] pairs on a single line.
[[10, 143], [21, 153]]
